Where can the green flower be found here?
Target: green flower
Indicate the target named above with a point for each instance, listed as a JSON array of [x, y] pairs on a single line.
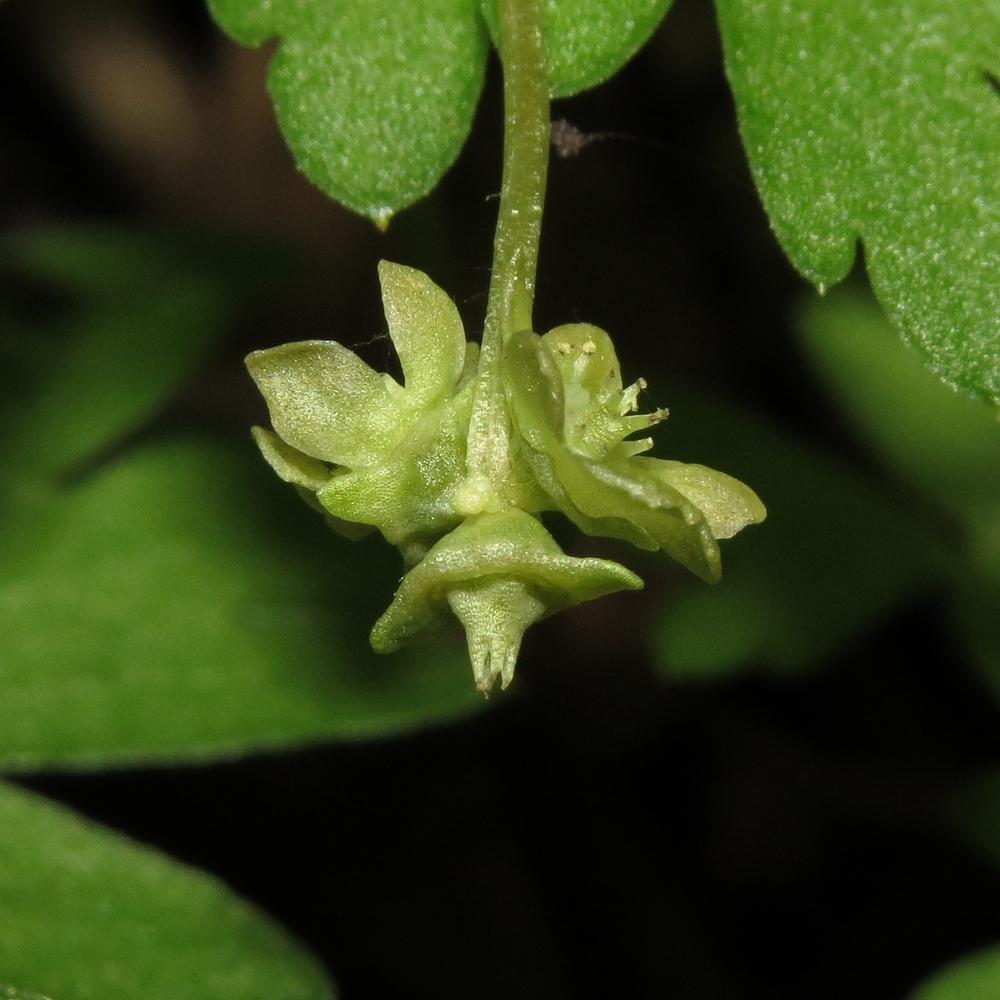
[[371, 453], [574, 419], [497, 574]]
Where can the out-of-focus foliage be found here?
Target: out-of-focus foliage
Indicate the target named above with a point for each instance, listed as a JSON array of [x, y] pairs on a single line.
[[159, 600], [835, 554], [844, 551], [87, 914], [972, 978], [12, 993], [943, 447]]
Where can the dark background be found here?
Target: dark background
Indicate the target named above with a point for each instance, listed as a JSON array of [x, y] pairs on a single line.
[[596, 832]]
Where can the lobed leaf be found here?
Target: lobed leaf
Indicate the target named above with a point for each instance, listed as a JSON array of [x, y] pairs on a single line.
[[880, 121], [86, 914]]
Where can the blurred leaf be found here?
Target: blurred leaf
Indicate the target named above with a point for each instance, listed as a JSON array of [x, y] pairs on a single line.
[[833, 556], [881, 121], [975, 813], [946, 443], [87, 915], [975, 609], [135, 314], [976, 977], [376, 99], [181, 604]]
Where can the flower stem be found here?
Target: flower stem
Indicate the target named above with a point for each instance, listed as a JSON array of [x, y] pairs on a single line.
[[515, 248], [525, 167]]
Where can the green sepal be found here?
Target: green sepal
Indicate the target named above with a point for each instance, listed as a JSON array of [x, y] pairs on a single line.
[[497, 574], [592, 474]]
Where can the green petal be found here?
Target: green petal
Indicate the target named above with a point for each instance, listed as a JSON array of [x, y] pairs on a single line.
[[326, 402], [586, 358], [457, 577], [426, 329], [727, 504]]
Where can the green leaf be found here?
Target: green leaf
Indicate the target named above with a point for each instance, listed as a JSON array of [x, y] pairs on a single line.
[[834, 555], [140, 312], [588, 41], [880, 121], [972, 978], [87, 915], [179, 604], [11, 993], [375, 99]]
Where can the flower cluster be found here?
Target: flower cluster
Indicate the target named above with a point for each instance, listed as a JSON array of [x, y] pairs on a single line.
[[371, 453]]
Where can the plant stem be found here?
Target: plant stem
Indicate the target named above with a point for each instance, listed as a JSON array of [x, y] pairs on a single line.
[[525, 167], [515, 248]]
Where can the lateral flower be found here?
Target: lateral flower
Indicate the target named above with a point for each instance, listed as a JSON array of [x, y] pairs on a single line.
[[574, 418], [367, 450], [497, 574]]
